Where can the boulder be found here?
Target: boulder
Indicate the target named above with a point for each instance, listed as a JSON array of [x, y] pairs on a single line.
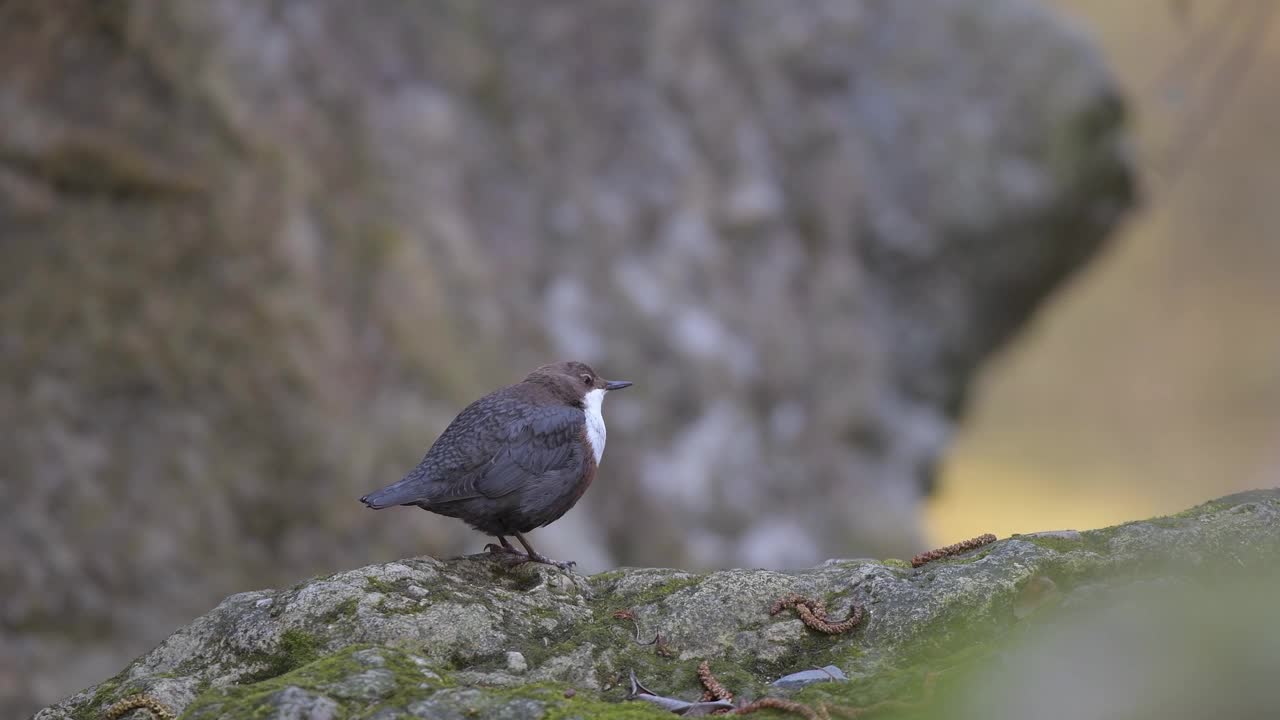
[[440, 638]]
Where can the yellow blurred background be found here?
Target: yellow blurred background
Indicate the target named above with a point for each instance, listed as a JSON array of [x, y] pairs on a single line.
[[1153, 382]]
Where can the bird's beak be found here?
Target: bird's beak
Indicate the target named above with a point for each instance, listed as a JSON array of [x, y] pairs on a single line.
[[616, 384]]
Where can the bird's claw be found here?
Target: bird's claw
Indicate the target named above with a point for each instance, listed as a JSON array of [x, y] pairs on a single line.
[[505, 555], [514, 557], [562, 564]]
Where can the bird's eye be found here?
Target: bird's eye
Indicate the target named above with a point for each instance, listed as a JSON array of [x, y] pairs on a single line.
[[586, 379]]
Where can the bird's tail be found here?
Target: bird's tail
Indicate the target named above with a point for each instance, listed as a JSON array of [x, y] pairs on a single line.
[[401, 493]]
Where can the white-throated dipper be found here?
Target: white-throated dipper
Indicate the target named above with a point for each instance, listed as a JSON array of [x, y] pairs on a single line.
[[514, 460]]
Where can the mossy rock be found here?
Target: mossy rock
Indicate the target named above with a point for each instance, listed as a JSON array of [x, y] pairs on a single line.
[[470, 637]]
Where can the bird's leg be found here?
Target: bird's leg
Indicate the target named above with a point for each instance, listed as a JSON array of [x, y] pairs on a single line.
[[536, 557], [505, 548]]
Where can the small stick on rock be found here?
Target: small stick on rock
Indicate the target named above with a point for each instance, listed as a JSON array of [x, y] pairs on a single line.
[[814, 614], [948, 551], [714, 690], [773, 703], [158, 710], [628, 614]]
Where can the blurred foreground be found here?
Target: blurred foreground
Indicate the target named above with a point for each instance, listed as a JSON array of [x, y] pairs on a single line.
[[1162, 650]]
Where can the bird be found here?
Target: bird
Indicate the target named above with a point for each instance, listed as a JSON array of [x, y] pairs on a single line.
[[516, 459]]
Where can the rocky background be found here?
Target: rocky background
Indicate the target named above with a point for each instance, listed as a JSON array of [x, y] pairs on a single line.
[[1153, 382], [256, 255]]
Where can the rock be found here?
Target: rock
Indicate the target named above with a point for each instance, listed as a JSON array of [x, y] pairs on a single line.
[[1035, 594], [338, 648], [1060, 534], [317, 234], [293, 703], [368, 686]]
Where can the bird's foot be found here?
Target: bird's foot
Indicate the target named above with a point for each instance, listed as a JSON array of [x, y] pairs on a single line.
[[506, 555], [511, 556], [562, 564]]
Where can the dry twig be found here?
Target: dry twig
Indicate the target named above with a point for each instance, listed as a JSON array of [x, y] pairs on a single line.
[[948, 551], [158, 710], [628, 614], [714, 690], [814, 614]]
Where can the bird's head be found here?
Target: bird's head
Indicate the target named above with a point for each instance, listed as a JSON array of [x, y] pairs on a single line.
[[575, 381]]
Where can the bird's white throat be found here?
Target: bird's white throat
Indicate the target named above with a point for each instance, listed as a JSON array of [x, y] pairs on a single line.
[[595, 421]]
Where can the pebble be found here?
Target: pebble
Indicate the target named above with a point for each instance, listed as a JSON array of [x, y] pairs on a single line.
[[516, 662]]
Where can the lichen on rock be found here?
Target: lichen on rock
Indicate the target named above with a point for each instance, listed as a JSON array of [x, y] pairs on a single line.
[[470, 637]]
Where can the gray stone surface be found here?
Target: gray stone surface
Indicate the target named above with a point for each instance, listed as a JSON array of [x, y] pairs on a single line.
[[294, 703], [337, 641], [257, 253]]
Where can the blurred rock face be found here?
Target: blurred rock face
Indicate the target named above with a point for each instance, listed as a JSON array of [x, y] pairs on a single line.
[[257, 255]]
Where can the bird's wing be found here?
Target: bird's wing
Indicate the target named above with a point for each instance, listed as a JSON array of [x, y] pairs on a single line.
[[547, 443], [451, 466]]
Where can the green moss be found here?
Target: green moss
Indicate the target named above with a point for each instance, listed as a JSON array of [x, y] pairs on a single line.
[[1096, 541], [747, 673], [814, 650], [591, 708], [402, 608], [344, 609], [104, 696], [583, 705], [249, 700], [113, 690], [544, 613], [896, 563], [377, 584], [295, 649], [535, 653], [605, 631], [606, 711], [412, 685], [1208, 508], [903, 684], [656, 593], [609, 576]]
